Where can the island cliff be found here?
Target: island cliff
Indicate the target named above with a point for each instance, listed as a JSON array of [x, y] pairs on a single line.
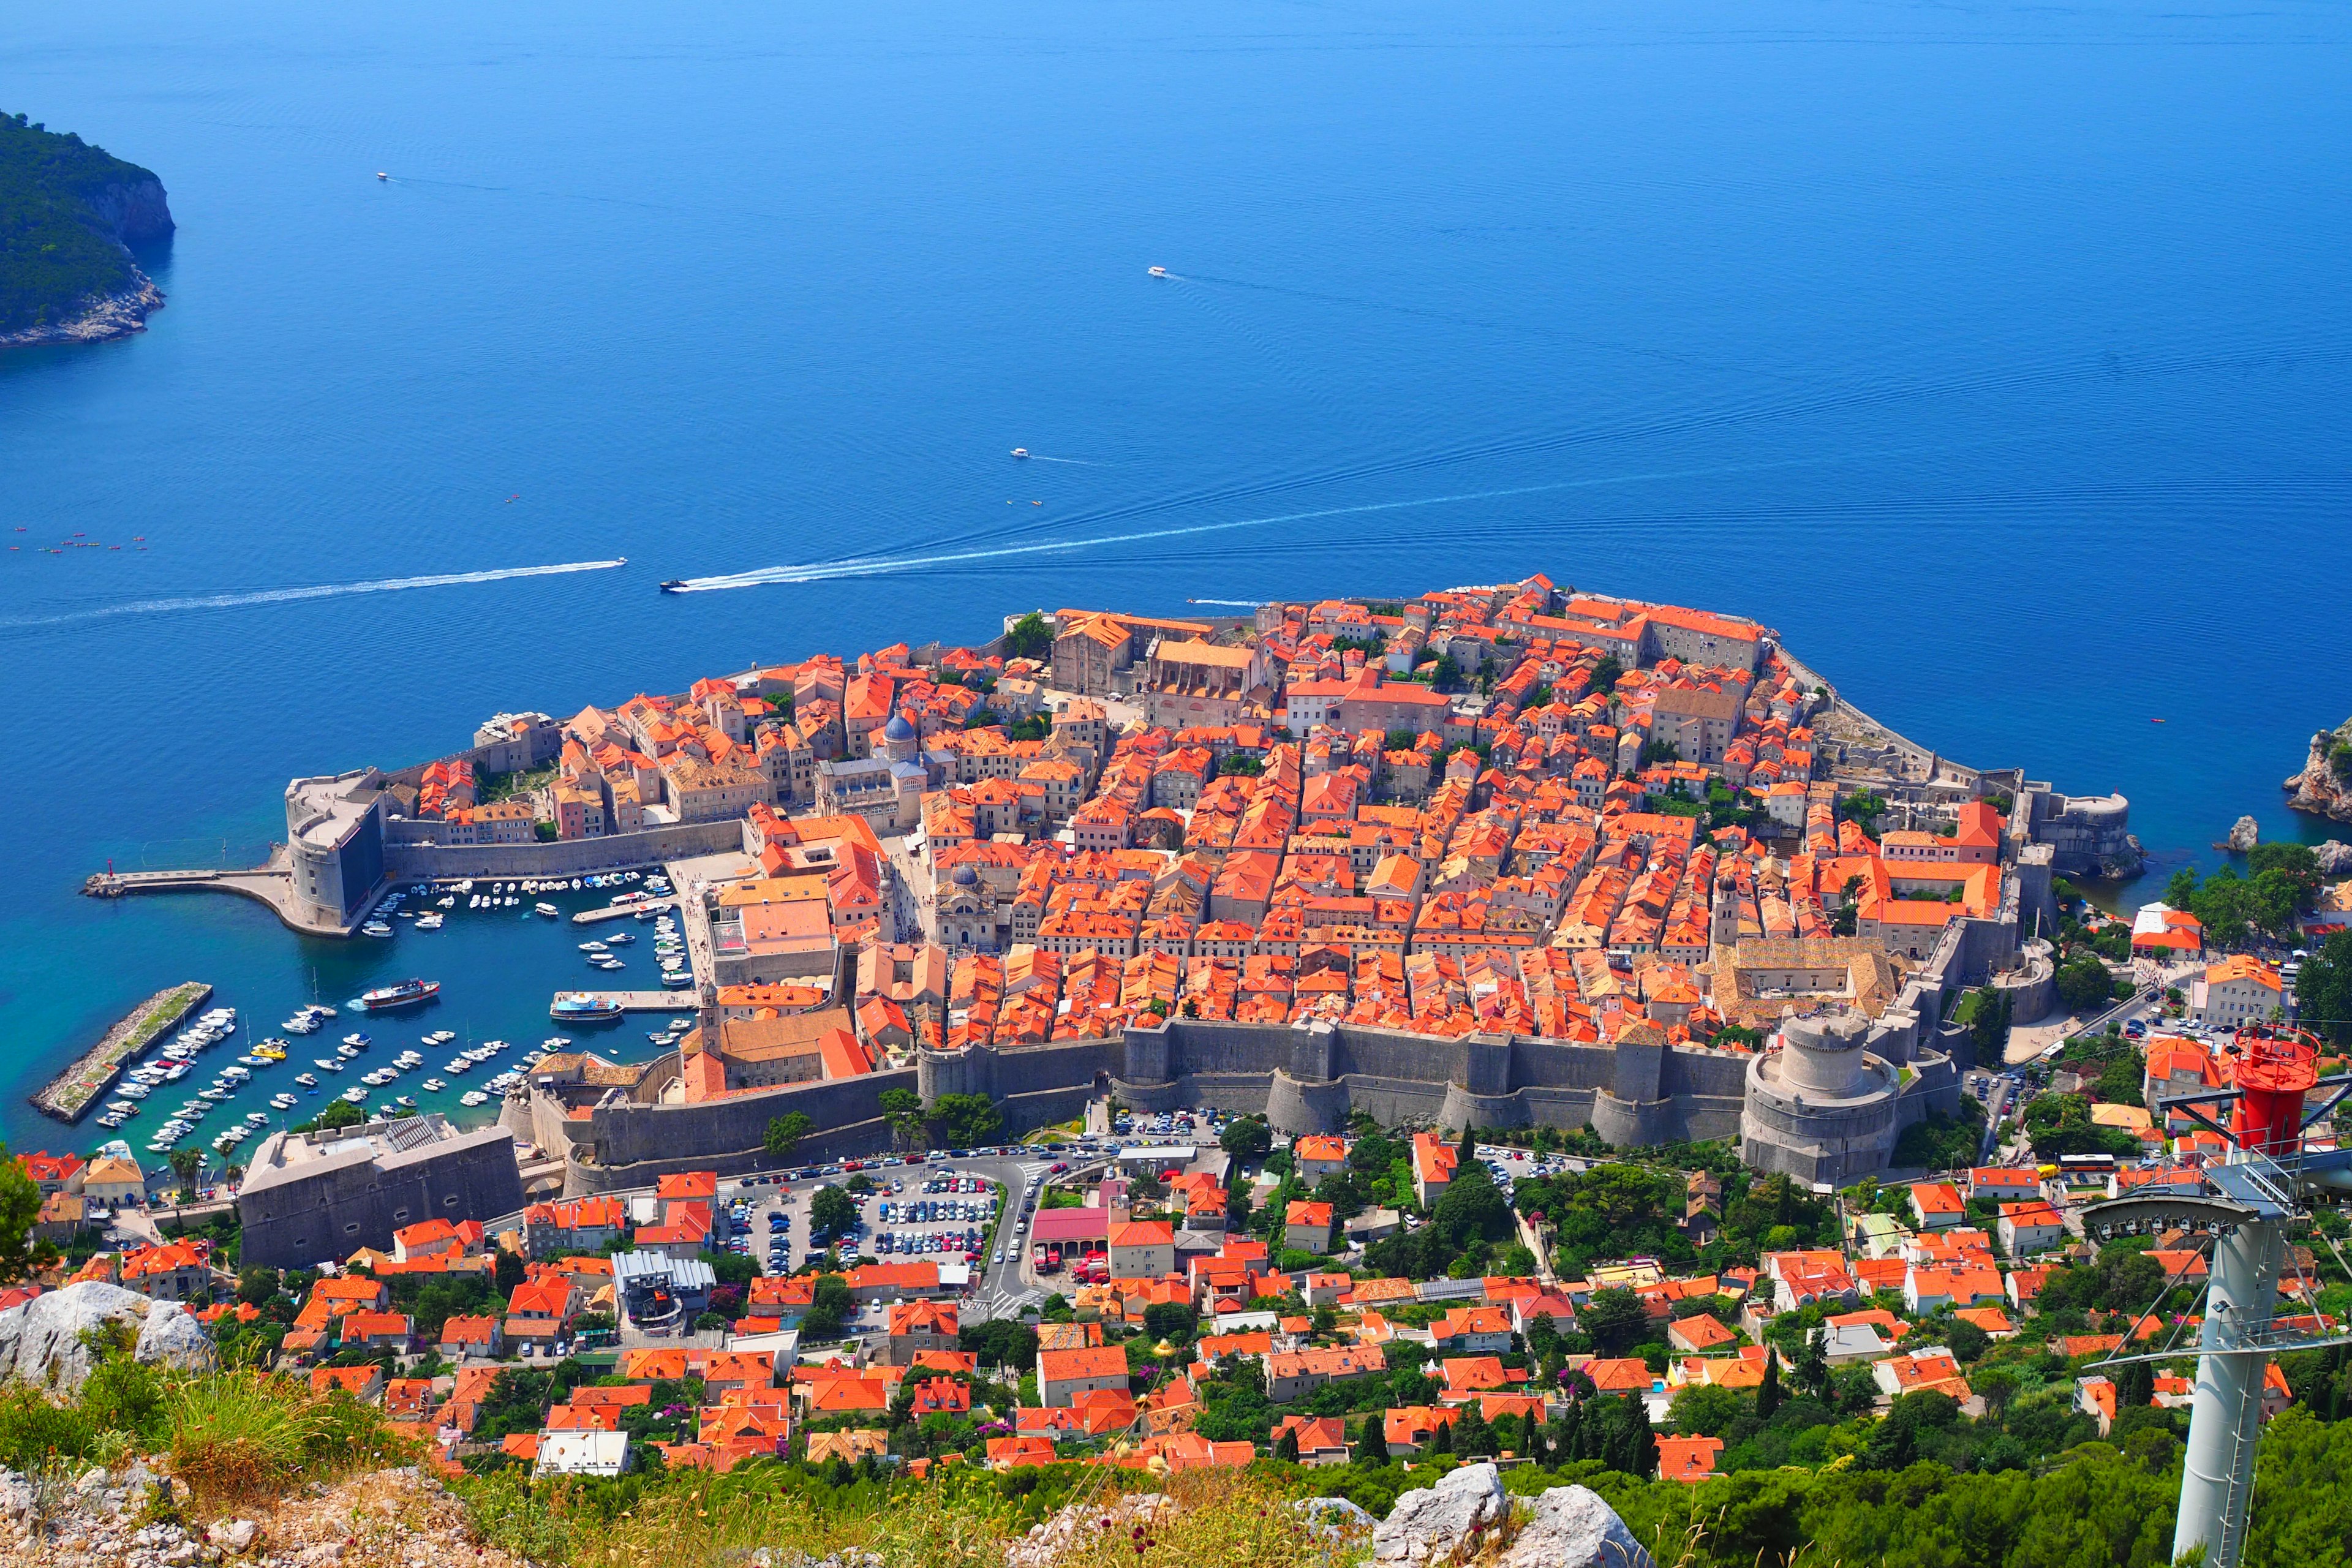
[[69, 214], [2323, 786]]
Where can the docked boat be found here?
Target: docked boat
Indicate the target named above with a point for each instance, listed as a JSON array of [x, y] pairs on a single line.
[[550, 911], [677, 979], [308, 1080], [433, 1086], [375, 928], [406, 1102], [592, 947], [582, 1007], [473, 1097], [355, 1095], [406, 994]]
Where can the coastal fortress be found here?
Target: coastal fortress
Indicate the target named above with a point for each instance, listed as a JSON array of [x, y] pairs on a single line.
[[1498, 856]]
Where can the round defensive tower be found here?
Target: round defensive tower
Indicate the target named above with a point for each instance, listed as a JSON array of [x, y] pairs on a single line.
[[1820, 1106]]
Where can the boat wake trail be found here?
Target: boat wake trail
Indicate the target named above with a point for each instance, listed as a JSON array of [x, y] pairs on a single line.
[[1239, 604], [884, 565], [321, 591]]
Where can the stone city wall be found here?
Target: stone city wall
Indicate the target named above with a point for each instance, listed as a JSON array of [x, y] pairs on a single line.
[[406, 859]]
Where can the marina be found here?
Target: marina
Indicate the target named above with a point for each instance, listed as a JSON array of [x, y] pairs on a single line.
[[70, 1094]]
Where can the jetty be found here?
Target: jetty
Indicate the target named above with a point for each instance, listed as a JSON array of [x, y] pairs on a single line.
[[72, 1091], [622, 911], [679, 1001]]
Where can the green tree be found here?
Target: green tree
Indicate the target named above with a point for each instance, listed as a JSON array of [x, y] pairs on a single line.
[[1616, 1318], [1029, 638], [785, 1132], [507, 1271], [903, 1107], [1768, 1392], [830, 1305], [1606, 674], [186, 1164], [832, 1212], [2323, 990], [1286, 1447], [1246, 1137], [1704, 1410], [967, 1119], [1173, 1321], [1372, 1442], [20, 1211]]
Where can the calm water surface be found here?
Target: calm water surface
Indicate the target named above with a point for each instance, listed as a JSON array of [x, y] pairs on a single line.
[[1996, 354]]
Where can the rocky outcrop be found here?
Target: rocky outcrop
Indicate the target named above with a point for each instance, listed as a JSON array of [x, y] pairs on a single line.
[[48, 1341], [136, 210], [107, 316], [2317, 788], [1571, 1526], [2335, 857], [2244, 833], [1450, 1522]]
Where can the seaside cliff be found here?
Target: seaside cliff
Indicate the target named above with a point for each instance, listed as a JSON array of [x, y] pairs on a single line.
[[2323, 785], [70, 213]]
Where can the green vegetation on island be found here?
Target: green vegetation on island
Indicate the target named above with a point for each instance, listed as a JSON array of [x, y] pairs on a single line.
[[66, 211]]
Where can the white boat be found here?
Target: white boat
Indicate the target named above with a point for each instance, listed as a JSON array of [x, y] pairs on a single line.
[[473, 1097], [308, 1080], [257, 1118], [406, 1102], [433, 1086], [592, 947], [550, 911], [281, 1102], [347, 1052], [355, 1095], [330, 1063], [455, 1066], [356, 1039]]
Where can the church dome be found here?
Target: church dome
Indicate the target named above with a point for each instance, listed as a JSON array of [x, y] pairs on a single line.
[[898, 729], [964, 876]]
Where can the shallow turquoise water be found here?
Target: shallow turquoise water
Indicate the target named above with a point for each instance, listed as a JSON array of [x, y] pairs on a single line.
[[1998, 355]]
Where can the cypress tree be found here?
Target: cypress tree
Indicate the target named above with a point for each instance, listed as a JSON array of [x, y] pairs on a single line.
[[1468, 1148], [1768, 1392], [1443, 1441], [1286, 1448], [1372, 1444]]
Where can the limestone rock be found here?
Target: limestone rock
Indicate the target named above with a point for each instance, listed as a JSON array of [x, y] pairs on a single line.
[[236, 1534], [172, 1336], [2243, 835], [1571, 1526], [1334, 1516], [42, 1342], [2315, 788], [2335, 857], [17, 1498], [1448, 1522]]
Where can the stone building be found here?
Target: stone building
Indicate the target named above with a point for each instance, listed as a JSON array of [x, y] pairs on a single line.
[[310, 1197], [1822, 1108]]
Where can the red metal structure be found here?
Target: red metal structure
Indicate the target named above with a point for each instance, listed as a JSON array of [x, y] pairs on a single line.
[[2275, 1068]]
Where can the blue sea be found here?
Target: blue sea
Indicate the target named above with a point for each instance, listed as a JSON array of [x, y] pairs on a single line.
[[1998, 355]]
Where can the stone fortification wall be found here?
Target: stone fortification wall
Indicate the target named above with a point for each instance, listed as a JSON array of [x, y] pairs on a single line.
[[405, 858], [299, 1223], [1310, 1081]]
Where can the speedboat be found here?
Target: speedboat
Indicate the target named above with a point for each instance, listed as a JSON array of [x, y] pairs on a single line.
[[1020, 451], [375, 928], [356, 1039], [592, 947], [308, 1080], [355, 1095], [550, 911], [1154, 272], [674, 586], [473, 1097], [347, 1052], [455, 1066], [621, 939], [433, 1086], [406, 1102]]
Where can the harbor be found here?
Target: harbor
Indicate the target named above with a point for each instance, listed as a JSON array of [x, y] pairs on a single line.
[[71, 1092], [439, 1006]]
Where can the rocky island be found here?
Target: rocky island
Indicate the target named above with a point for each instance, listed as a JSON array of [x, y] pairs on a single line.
[[69, 214], [2322, 787]]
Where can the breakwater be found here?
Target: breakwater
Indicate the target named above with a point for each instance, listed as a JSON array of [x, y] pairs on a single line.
[[70, 1093]]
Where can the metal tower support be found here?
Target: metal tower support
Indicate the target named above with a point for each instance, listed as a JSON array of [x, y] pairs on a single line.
[[2225, 1418]]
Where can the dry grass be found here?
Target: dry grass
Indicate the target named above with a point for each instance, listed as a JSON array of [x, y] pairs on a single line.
[[1220, 1519], [241, 1435]]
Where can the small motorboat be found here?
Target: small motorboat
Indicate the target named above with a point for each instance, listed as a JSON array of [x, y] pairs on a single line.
[[1020, 451], [433, 1086], [674, 586], [381, 175], [1159, 271]]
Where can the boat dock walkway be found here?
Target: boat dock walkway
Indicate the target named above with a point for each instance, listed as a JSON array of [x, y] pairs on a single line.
[[680, 1001], [270, 883], [74, 1090], [622, 911]]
